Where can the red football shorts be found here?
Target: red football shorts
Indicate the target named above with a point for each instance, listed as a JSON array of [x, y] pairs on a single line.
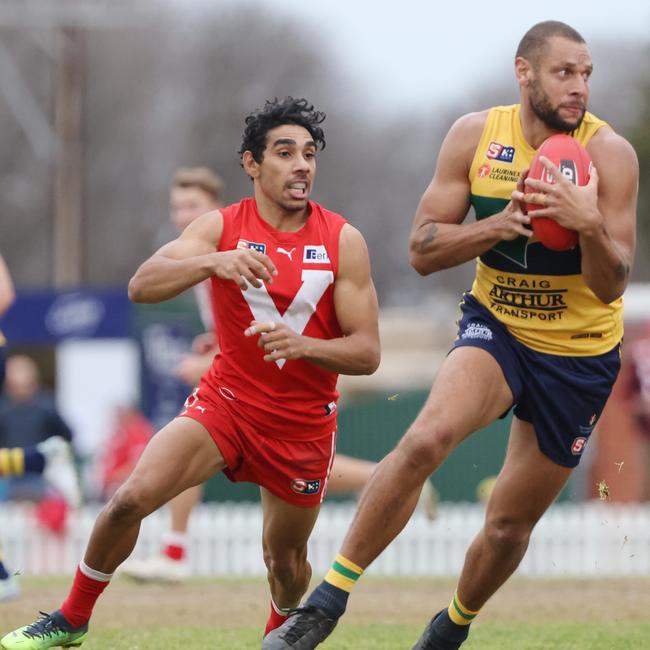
[[296, 471]]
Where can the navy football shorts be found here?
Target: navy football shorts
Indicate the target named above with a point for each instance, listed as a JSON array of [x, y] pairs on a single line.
[[562, 397]]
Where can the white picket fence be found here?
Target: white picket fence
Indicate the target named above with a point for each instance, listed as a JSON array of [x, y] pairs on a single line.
[[585, 539]]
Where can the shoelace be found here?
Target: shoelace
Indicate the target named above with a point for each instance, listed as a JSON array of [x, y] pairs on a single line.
[[306, 615], [44, 626]]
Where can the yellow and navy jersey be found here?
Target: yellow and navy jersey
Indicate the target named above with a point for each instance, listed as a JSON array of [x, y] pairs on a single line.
[[537, 293]]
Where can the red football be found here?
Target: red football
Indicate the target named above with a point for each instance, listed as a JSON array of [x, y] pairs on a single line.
[[574, 162]]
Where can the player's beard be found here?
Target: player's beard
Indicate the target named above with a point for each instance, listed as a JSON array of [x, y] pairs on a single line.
[[294, 207], [541, 106]]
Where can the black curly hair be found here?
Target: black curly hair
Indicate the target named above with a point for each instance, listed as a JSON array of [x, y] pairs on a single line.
[[277, 113]]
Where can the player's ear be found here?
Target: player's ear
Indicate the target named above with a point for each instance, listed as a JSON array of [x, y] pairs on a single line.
[[523, 70], [251, 166]]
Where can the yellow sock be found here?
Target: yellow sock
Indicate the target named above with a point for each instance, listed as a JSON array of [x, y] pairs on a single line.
[[12, 462], [343, 574], [458, 613]]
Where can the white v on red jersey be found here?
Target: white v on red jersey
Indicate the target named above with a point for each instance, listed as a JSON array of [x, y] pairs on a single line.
[[286, 398]]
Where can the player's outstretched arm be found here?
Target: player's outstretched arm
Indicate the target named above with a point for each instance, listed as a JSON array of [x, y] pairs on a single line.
[[355, 302], [193, 257], [439, 239]]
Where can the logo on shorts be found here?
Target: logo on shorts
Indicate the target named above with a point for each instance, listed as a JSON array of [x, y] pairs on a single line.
[[484, 170], [305, 486], [244, 243], [315, 255], [578, 445], [330, 408], [477, 331], [586, 430]]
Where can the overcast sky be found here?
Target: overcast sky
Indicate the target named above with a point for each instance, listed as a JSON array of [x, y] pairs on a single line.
[[425, 49]]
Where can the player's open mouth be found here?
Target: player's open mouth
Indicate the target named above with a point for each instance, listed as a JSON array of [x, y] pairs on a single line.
[[298, 190]]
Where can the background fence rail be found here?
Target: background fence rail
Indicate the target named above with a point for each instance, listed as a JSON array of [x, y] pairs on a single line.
[[571, 539]]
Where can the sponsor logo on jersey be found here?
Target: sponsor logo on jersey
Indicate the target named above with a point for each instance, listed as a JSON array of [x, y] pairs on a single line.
[[286, 251], [305, 486], [587, 335], [483, 171], [504, 174], [315, 255], [497, 151], [477, 331], [527, 299], [578, 445], [244, 243]]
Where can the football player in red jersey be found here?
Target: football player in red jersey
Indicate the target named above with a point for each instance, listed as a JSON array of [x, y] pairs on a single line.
[[296, 306], [194, 192]]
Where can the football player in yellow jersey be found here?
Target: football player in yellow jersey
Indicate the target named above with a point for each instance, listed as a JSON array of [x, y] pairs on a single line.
[[556, 378]]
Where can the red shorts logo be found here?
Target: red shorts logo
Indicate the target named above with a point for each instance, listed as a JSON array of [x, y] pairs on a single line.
[[483, 171], [578, 445], [305, 486]]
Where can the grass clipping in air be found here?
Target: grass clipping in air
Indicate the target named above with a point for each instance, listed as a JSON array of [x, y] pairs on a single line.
[[603, 491]]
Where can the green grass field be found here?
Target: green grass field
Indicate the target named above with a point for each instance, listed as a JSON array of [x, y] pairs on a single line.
[[571, 614]]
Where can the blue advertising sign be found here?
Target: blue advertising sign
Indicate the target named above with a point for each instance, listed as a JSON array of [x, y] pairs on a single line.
[[48, 316]]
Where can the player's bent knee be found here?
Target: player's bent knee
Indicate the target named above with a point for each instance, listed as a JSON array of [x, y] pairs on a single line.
[[424, 449], [507, 532], [129, 503], [290, 570]]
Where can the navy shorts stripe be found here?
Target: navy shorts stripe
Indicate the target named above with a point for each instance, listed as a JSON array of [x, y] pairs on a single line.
[[561, 396]]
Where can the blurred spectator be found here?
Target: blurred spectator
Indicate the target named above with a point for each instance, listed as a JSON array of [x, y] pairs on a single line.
[[194, 191], [129, 437], [8, 583], [637, 397], [28, 417], [621, 456]]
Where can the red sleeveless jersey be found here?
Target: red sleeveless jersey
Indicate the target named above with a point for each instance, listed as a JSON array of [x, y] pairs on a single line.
[[284, 398]]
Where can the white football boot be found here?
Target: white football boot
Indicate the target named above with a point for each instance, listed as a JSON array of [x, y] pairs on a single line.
[[157, 568]]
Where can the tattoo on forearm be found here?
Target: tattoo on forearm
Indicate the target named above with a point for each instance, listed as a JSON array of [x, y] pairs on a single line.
[[430, 235], [622, 271]]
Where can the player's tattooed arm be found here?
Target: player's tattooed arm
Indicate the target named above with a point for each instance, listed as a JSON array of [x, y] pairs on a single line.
[[428, 234], [622, 272]]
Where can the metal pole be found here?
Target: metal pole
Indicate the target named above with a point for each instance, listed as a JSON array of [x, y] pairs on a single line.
[[67, 172]]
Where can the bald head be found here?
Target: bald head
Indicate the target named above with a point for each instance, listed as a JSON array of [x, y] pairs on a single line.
[[533, 45]]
